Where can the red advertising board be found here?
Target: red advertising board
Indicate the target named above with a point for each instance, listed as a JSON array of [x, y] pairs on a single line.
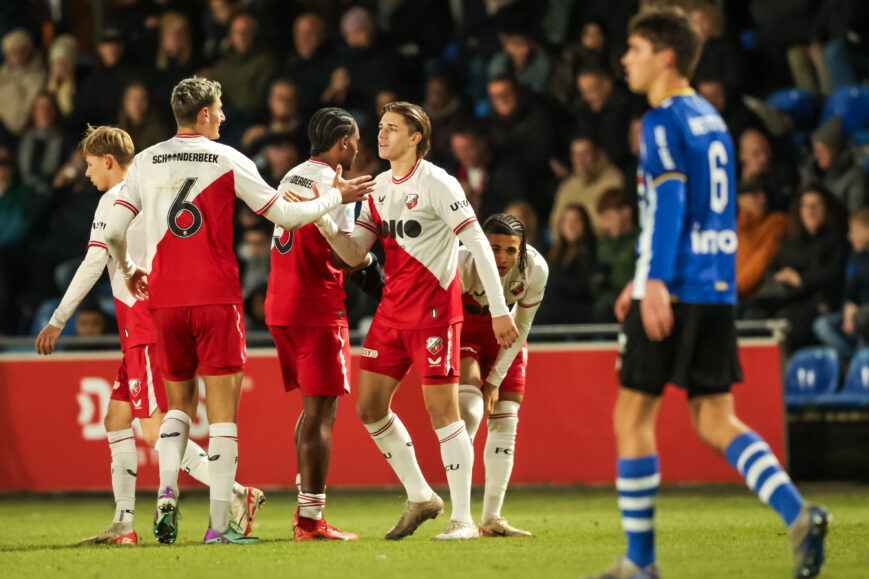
[[51, 412]]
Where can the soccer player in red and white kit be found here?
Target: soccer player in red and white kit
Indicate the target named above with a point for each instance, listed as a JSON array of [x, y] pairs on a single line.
[[523, 274], [186, 188], [138, 391], [306, 315], [417, 210]]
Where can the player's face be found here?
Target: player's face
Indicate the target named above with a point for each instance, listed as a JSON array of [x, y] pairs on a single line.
[[395, 137], [641, 64], [215, 118], [506, 250], [97, 171]]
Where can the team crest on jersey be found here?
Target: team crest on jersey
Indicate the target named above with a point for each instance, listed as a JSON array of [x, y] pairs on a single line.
[[411, 200], [517, 287], [135, 388], [434, 345]]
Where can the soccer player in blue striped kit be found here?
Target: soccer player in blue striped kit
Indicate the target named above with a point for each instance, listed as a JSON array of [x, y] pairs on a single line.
[[678, 312]]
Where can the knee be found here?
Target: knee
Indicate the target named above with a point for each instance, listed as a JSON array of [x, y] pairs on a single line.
[[369, 413], [151, 438], [709, 430], [112, 423]]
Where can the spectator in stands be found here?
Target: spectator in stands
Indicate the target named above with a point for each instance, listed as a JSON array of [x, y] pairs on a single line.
[[629, 170], [310, 63], [367, 162], [43, 147], [616, 252], [489, 183], [783, 33], [284, 117], [592, 175], [739, 118], [718, 57], [62, 75], [99, 98], [279, 154], [22, 76], [244, 71], [804, 279], [839, 40], [839, 330], [525, 213], [90, 320], [446, 110], [760, 161], [523, 134], [521, 56], [217, 20], [255, 310], [18, 203], [758, 232], [572, 260], [604, 110], [144, 125], [253, 256], [176, 57], [833, 165], [383, 97]]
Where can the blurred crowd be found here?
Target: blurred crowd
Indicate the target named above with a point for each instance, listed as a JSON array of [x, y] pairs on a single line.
[[529, 111]]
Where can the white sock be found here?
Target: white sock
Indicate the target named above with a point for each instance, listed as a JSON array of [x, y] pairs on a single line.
[[472, 408], [394, 442], [195, 463], [173, 441], [222, 462], [459, 463], [311, 505], [125, 464], [498, 455]]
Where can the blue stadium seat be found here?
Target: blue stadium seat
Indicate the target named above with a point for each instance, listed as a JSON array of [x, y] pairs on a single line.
[[798, 104], [856, 390], [812, 374], [851, 104]]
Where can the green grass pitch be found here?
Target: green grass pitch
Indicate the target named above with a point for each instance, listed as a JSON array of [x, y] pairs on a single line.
[[702, 532]]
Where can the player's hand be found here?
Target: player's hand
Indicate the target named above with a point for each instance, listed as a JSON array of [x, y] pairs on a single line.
[[623, 302], [352, 190], [789, 276], [293, 198], [138, 284], [490, 397], [656, 310], [46, 339], [505, 330], [848, 315]]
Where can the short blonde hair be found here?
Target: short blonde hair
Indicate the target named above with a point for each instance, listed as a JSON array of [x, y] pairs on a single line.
[[102, 141], [417, 120]]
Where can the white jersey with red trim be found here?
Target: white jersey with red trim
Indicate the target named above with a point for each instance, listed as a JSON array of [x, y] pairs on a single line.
[[186, 187], [417, 218], [525, 289], [305, 289]]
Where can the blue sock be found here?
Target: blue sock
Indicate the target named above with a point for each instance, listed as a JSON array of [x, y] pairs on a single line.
[[751, 456], [637, 483]]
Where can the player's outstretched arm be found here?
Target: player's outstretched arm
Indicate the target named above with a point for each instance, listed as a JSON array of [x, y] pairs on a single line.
[[502, 322], [352, 249], [85, 277], [118, 222]]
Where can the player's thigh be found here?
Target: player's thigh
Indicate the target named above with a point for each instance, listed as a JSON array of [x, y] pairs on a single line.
[[221, 397], [710, 364], [220, 338], [322, 354], [644, 366], [514, 381], [374, 396], [470, 370], [287, 359], [118, 416], [147, 392], [635, 411], [182, 395], [383, 352], [511, 397], [176, 344]]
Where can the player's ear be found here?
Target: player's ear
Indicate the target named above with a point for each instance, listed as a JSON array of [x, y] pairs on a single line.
[[416, 138], [110, 161], [202, 117]]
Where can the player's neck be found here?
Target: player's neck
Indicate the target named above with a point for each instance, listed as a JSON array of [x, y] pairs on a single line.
[[667, 84], [402, 166], [190, 130], [330, 160], [116, 177]]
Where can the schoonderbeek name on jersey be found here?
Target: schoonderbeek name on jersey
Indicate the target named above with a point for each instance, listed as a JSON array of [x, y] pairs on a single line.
[[710, 241], [191, 157], [301, 181]]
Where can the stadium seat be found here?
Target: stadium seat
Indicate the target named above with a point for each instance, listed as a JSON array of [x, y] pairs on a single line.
[[856, 390], [851, 104], [798, 104], [812, 374]]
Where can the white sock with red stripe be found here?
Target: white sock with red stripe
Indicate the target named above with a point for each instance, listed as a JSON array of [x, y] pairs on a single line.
[[195, 463], [222, 463], [471, 407], [498, 455], [125, 464], [394, 442], [458, 459], [174, 432], [311, 505]]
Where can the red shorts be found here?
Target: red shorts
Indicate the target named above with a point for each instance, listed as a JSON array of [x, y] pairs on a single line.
[[209, 337], [482, 346], [314, 359], [434, 352], [140, 382]]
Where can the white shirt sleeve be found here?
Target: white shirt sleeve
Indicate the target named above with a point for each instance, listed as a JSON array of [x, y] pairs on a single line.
[[475, 240], [118, 221], [450, 203], [85, 277], [353, 248]]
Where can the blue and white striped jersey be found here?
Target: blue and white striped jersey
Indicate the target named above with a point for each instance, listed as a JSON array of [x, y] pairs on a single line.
[[687, 201]]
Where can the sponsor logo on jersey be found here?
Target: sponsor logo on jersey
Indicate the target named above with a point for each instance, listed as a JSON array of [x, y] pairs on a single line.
[[137, 404], [399, 229], [711, 241], [98, 225], [412, 200], [434, 345], [381, 198], [369, 353], [517, 287], [135, 388], [432, 362], [459, 204]]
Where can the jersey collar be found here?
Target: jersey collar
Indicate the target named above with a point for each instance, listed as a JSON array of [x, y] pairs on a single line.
[[684, 91]]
